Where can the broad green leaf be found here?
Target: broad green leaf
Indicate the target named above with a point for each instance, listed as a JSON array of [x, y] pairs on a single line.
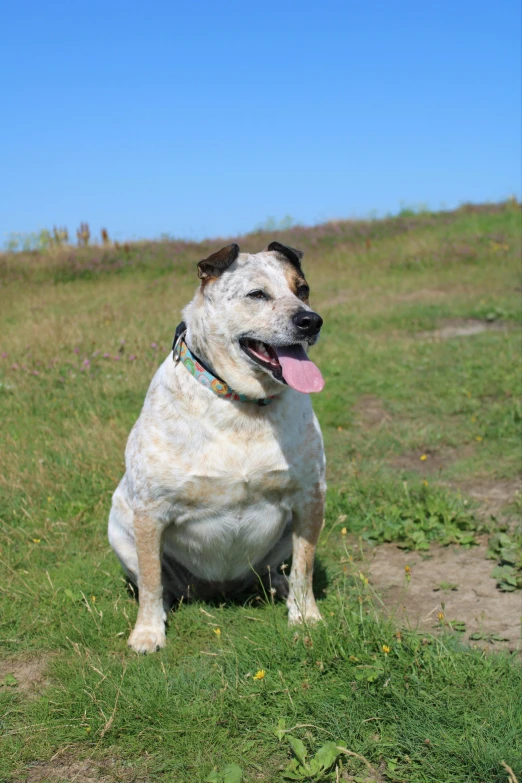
[[292, 771], [327, 755], [10, 680], [298, 748], [232, 773], [279, 730]]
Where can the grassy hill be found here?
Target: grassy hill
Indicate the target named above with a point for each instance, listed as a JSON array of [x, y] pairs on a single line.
[[421, 416]]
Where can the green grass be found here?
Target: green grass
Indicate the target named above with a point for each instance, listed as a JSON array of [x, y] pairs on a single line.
[[431, 709]]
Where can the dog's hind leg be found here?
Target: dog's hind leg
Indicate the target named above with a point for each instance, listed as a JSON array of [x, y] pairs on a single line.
[[308, 523]]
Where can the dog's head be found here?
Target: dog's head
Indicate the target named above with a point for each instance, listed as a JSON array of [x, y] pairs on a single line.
[[251, 321]]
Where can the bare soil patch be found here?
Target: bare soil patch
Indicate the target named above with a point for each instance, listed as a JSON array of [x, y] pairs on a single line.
[[66, 771], [29, 673], [476, 601], [370, 412], [461, 328], [493, 495], [422, 295], [430, 461], [64, 768]]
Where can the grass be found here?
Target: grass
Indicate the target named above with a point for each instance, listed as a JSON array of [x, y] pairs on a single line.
[[407, 420]]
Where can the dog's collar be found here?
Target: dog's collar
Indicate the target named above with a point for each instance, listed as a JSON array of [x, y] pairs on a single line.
[[181, 352]]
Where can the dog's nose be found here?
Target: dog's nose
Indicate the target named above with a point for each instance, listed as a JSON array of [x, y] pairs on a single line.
[[307, 322]]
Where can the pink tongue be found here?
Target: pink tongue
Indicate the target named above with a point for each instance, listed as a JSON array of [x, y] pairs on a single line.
[[298, 370]]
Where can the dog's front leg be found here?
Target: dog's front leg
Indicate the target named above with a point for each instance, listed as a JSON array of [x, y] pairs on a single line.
[[307, 525], [149, 632]]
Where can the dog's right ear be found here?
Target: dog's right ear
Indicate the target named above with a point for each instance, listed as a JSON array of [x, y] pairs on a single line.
[[215, 264], [290, 253]]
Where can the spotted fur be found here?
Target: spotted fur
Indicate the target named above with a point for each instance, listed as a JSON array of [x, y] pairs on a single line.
[[218, 493]]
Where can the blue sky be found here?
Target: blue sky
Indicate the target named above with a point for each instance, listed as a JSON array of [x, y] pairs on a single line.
[[203, 119]]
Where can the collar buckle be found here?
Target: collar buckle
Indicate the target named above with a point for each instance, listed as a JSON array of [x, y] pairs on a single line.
[[175, 347]]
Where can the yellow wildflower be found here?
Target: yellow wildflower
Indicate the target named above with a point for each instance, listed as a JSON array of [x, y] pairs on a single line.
[[479, 438], [386, 649], [343, 531], [407, 568], [441, 616], [217, 631], [424, 457], [259, 675], [36, 540]]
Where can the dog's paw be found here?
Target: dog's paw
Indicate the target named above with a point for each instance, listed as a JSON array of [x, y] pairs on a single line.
[[147, 639], [309, 614]]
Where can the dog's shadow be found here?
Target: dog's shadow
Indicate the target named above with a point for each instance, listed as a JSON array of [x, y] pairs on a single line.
[[257, 594]]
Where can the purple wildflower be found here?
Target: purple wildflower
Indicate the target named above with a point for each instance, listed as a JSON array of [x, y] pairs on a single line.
[[76, 350], [132, 358]]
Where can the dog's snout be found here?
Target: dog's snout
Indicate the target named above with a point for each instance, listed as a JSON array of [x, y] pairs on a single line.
[[307, 322]]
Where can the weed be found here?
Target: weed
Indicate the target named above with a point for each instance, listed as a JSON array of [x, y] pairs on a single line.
[[83, 234], [507, 549], [412, 516]]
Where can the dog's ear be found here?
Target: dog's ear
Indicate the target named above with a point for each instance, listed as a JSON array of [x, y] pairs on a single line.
[[290, 253], [216, 263]]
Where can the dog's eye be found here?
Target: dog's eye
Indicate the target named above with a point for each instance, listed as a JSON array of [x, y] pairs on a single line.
[[257, 294], [303, 292]]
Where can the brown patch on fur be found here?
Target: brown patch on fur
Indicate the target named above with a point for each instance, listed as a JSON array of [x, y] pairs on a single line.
[[307, 528], [211, 267], [148, 546], [295, 281]]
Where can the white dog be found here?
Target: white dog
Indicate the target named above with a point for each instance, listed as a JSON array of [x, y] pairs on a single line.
[[225, 466]]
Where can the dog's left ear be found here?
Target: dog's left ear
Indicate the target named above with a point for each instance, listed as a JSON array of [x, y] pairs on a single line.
[[290, 253], [215, 264]]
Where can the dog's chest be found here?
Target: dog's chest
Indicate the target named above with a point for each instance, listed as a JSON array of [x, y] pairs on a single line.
[[231, 472], [231, 507]]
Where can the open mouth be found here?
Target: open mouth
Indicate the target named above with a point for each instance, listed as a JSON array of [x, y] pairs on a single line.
[[288, 364]]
